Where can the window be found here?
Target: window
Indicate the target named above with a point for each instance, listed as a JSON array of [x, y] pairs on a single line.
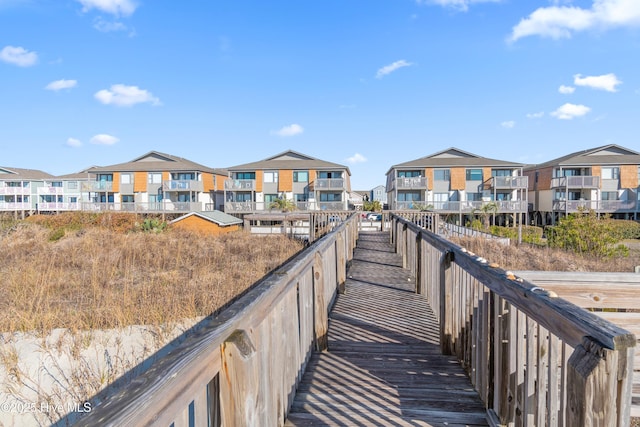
[[72, 185], [270, 177], [57, 184], [184, 176], [300, 176], [611, 173], [609, 195], [501, 172], [474, 174], [474, 197], [441, 175], [14, 184], [270, 198], [127, 198], [409, 196], [155, 178], [125, 178], [105, 177], [328, 175], [408, 174], [301, 197], [330, 197], [245, 175], [243, 197], [73, 199]]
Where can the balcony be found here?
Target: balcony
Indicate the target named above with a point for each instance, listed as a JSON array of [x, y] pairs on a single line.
[[508, 182], [411, 183], [576, 182], [321, 184], [602, 206], [182, 185], [412, 205], [58, 206], [53, 191], [331, 206], [240, 184], [504, 206], [239, 206], [15, 206], [151, 207], [15, 191], [97, 186]]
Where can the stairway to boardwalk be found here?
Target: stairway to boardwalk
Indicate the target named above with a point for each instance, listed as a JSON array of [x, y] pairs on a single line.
[[384, 365]]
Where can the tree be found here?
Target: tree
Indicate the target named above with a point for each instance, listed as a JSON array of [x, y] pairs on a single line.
[[373, 206], [283, 204], [485, 211]]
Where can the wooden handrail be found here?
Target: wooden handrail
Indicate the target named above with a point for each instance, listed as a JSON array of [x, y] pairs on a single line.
[[253, 351], [535, 359]]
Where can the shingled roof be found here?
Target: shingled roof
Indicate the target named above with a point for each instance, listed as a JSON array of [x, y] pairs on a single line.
[[452, 157], [289, 160], [157, 161], [9, 174], [611, 154]]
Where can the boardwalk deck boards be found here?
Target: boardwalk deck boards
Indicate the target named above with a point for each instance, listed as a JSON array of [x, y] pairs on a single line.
[[383, 365]]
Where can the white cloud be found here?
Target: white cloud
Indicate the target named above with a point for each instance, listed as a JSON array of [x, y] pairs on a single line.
[[461, 5], [570, 111], [535, 115], [357, 158], [562, 21], [606, 82], [566, 89], [388, 69], [125, 96], [61, 84], [510, 124], [103, 139], [18, 56], [108, 27], [290, 130], [73, 142], [114, 7]]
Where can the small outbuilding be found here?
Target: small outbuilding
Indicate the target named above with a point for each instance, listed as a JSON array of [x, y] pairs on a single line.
[[210, 222]]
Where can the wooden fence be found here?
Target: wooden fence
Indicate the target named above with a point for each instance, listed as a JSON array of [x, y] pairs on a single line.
[[242, 367], [534, 358]]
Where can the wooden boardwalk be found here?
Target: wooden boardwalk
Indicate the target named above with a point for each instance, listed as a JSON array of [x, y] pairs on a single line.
[[384, 365]]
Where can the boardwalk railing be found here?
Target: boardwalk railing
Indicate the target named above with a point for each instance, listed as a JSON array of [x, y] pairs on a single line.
[[242, 367], [534, 358]]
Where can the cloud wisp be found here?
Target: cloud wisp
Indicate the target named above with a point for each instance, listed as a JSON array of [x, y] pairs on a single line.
[[559, 22], [566, 90], [73, 142], [113, 7], [570, 111], [126, 96], [19, 56], [607, 82], [61, 84], [103, 139], [356, 158], [290, 130], [537, 115], [388, 69], [509, 124], [459, 5]]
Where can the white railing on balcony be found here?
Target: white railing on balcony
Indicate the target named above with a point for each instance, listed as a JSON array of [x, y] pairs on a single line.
[[97, 185], [50, 190], [15, 206], [474, 206], [416, 204], [163, 206], [240, 184], [508, 182], [595, 205], [576, 182], [328, 183], [15, 191], [239, 206], [182, 185], [415, 182], [59, 206], [331, 206]]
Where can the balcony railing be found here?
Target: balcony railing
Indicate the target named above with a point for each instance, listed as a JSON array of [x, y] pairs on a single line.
[[240, 184], [239, 206], [15, 206], [328, 184], [182, 185], [604, 206], [576, 182], [50, 190], [331, 206], [59, 206], [15, 191], [508, 182], [97, 186], [411, 183], [150, 207], [503, 206]]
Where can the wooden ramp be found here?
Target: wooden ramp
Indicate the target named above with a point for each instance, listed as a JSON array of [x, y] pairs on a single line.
[[384, 365]]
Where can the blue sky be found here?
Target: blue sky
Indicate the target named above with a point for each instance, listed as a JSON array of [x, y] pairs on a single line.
[[365, 83]]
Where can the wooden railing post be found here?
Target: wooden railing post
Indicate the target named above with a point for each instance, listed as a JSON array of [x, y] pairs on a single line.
[[239, 385], [446, 304], [341, 262], [321, 315], [419, 265], [592, 386]]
